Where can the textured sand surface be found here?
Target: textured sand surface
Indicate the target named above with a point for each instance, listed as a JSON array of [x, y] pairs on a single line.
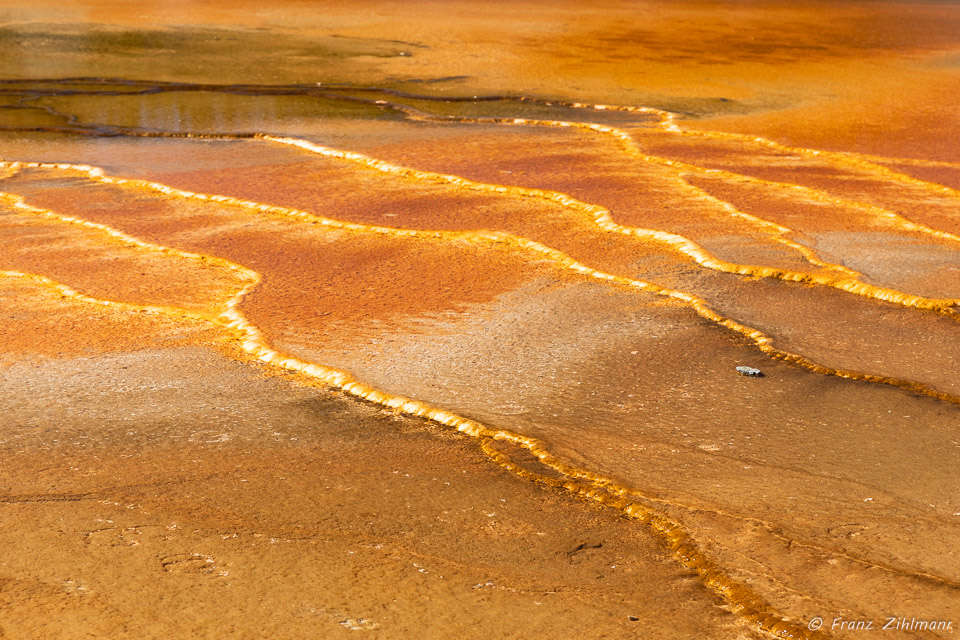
[[423, 320]]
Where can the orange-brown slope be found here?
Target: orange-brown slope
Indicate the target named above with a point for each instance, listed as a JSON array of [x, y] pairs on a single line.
[[143, 486], [108, 265], [770, 304], [39, 322]]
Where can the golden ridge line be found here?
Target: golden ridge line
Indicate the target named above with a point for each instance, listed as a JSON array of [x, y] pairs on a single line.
[[98, 175], [777, 230], [69, 292], [603, 218], [19, 203], [916, 162], [558, 258], [667, 121], [601, 215], [746, 603], [743, 600], [817, 194], [664, 116], [838, 158], [625, 139], [811, 193], [808, 254]]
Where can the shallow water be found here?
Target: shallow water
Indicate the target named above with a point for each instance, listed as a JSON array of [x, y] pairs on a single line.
[[569, 272]]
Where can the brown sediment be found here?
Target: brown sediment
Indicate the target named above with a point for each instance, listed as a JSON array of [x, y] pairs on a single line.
[[745, 601], [752, 608]]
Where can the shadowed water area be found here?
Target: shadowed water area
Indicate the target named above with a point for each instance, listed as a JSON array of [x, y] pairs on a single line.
[[341, 321]]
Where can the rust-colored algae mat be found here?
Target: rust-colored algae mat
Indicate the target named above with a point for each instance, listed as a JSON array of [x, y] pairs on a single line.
[[483, 320]]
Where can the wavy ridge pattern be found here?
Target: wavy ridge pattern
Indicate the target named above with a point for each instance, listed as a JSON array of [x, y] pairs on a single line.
[[582, 483], [663, 119], [811, 193], [558, 258], [603, 218], [17, 202], [845, 280], [599, 488], [837, 158], [668, 121]]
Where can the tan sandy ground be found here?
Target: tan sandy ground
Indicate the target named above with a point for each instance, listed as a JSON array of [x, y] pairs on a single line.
[[152, 485], [172, 492]]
